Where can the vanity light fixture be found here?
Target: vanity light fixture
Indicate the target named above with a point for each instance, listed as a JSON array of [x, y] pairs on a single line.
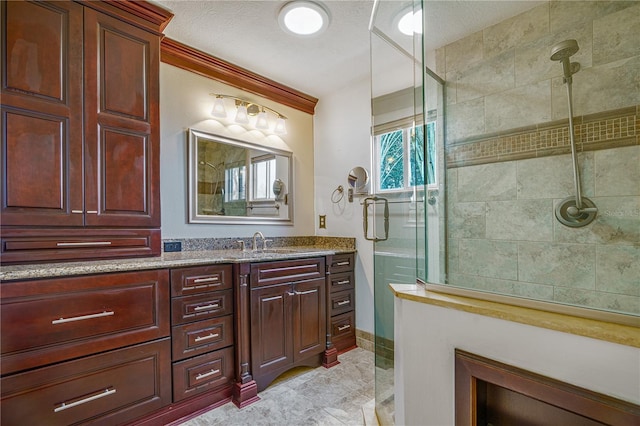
[[303, 18], [247, 109]]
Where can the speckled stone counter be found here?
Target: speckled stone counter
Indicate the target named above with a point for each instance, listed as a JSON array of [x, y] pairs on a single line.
[[196, 254]]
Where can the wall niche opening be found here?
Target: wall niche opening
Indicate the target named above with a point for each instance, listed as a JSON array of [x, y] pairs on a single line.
[[490, 393]]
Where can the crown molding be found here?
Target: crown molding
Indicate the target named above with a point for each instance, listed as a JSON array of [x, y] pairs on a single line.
[[182, 56]]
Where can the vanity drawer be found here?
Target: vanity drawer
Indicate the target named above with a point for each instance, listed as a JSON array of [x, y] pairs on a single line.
[[110, 388], [201, 306], [47, 321], [343, 330], [202, 373], [342, 301], [286, 271], [200, 337], [342, 263], [200, 279], [342, 281]]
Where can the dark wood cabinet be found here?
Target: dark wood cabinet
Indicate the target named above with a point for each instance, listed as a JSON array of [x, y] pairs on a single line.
[[106, 389], [202, 335], [288, 316], [341, 301], [80, 130], [48, 321], [92, 348]]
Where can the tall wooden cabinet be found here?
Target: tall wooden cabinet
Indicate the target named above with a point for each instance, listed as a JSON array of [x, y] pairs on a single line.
[[80, 130]]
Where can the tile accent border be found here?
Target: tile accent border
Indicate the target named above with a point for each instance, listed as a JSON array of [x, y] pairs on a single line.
[[609, 129]]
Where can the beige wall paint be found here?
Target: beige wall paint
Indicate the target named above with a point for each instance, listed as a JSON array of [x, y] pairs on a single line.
[[185, 103]]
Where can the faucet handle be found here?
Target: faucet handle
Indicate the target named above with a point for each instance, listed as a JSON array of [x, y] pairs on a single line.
[[242, 248], [264, 244]]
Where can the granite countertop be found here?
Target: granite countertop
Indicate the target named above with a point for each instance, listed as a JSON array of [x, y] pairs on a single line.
[[166, 260]]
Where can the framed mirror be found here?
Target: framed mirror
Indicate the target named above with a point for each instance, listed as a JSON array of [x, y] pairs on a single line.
[[232, 181]]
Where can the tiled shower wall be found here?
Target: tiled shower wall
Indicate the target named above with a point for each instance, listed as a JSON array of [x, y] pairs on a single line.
[[507, 161]]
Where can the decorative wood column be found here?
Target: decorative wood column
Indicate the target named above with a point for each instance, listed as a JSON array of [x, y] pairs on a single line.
[[245, 390]]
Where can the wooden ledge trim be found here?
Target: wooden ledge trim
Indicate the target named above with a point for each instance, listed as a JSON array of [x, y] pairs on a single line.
[[190, 59]]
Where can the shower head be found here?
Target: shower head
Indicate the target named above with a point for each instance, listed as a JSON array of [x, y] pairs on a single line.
[[562, 52], [564, 49]]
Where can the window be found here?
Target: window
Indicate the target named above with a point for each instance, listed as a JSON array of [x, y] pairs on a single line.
[[263, 174], [234, 178], [401, 158]]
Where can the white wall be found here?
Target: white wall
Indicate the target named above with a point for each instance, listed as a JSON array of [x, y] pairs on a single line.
[[427, 335], [342, 140], [185, 103]]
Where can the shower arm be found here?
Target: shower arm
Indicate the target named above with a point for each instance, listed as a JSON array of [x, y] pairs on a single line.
[[574, 156], [578, 209]]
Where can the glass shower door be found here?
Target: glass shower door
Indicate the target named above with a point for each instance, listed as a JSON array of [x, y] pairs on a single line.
[[395, 209]]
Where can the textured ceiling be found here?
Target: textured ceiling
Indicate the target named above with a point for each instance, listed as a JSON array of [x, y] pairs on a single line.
[[247, 34]]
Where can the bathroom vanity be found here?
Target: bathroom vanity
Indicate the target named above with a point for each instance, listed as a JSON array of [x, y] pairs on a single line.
[[153, 340]]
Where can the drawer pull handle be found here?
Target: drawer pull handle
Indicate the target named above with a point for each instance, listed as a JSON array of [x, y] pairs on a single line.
[[210, 336], [344, 327], [92, 211], [344, 302], [85, 244], [83, 317], [202, 308], [342, 263], [66, 406], [77, 211], [343, 282], [206, 280], [203, 375], [306, 292]]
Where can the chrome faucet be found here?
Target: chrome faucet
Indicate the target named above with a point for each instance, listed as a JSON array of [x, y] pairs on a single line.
[[254, 247]]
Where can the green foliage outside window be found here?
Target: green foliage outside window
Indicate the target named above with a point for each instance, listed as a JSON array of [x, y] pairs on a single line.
[[420, 159], [392, 160]]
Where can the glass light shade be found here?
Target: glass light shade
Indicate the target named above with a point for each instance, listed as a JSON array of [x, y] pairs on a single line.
[[242, 116], [261, 121], [219, 109], [303, 18], [411, 23], [281, 126]]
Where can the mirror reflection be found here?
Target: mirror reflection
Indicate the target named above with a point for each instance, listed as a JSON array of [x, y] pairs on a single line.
[[232, 181]]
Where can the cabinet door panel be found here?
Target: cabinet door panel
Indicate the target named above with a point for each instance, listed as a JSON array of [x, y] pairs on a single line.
[[123, 160], [271, 340], [309, 319], [36, 43], [41, 114], [122, 123], [123, 77]]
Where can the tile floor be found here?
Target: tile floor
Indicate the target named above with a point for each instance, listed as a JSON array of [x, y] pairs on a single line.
[[306, 396]]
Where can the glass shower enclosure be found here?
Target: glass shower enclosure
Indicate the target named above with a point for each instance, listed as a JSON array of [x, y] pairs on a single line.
[[407, 180], [493, 230]]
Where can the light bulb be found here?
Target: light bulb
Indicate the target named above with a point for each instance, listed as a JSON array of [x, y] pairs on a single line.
[[281, 126], [242, 116], [218, 108], [261, 121]]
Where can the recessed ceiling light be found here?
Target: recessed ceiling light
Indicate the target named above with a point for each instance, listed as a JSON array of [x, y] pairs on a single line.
[[303, 18], [411, 22]]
